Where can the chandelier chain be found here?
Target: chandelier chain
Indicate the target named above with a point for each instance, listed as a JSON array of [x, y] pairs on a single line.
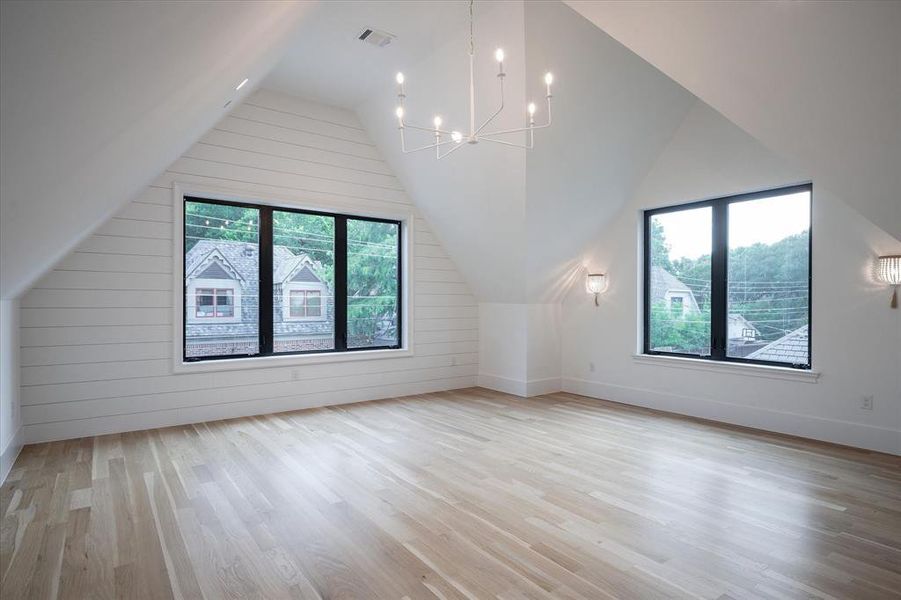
[[472, 45]]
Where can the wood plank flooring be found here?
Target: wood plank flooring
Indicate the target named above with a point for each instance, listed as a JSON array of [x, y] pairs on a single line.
[[463, 494]]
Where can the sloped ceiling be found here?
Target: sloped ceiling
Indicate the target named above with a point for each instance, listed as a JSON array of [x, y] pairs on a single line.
[[515, 222], [816, 82], [613, 115], [96, 98], [325, 62]]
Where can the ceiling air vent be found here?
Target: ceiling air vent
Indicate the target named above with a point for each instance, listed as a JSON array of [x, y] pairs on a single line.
[[375, 37]]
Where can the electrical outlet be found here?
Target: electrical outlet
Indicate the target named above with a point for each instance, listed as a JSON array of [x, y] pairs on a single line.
[[453, 361], [295, 374], [866, 402], [591, 367]]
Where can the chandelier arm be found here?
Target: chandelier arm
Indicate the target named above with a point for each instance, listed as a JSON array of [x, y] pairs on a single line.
[[451, 151], [530, 127], [439, 144], [497, 112], [506, 143], [429, 129], [403, 145]]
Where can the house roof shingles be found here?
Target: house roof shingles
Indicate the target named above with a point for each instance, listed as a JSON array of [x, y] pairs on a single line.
[[790, 348], [663, 281]]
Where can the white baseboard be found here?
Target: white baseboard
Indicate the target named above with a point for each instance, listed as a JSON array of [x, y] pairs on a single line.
[[859, 435], [539, 387], [519, 387], [9, 454], [64, 430]]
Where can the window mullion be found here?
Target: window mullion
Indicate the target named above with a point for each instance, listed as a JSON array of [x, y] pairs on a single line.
[[340, 290], [264, 298], [718, 281]]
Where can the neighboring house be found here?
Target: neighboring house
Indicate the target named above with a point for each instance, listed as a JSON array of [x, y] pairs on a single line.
[[741, 330], [791, 348], [222, 306], [666, 288]]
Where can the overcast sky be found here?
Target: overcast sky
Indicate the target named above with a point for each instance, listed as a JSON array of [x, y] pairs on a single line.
[[756, 221]]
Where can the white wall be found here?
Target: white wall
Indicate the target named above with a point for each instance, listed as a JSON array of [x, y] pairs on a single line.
[[10, 415], [519, 348], [856, 337], [503, 340], [96, 336]]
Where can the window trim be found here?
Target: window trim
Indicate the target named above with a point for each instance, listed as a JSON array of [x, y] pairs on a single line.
[[719, 313], [290, 201]]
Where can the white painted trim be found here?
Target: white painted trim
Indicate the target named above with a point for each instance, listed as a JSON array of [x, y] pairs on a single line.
[[881, 439], [266, 362], [539, 387], [752, 370], [518, 387], [497, 383], [408, 226], [11, 453]]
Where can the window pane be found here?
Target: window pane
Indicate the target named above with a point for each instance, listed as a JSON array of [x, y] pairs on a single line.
[[303, 260], [313, 304], [679, 317], [222, 264], [225, 303], [372, 291], [768, 279], [296, 303], [204, 304]]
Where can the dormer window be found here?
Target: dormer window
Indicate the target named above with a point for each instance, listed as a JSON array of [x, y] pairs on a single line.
[[305, 303], [212, 303]]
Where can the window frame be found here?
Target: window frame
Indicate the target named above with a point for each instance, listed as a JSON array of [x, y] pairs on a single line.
[[719, 269], [265, 310]]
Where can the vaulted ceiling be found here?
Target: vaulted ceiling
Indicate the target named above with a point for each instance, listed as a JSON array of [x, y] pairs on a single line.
[[97, 98], [818, 83], [515, 221], [94, 106]]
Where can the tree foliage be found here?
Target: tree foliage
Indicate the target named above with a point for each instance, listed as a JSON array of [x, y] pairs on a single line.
[[767, 285]]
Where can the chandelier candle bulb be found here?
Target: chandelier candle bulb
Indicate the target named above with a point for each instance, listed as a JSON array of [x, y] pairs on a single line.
[[437, 122]]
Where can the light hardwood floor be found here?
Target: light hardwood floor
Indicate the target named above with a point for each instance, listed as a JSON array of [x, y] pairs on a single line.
[[464, 494]]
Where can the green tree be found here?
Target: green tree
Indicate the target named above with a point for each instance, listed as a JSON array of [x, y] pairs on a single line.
[[659, 247]]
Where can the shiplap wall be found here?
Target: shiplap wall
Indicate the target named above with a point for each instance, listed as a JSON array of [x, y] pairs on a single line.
[[96, 332]]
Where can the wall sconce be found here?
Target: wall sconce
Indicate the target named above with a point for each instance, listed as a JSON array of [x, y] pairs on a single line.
[[596, 283], [890, 272]]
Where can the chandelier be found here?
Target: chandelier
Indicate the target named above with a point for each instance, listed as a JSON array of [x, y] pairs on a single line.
[[454, 138]]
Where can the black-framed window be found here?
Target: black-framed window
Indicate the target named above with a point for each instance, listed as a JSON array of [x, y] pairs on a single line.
[[298, 281], [729, 279]]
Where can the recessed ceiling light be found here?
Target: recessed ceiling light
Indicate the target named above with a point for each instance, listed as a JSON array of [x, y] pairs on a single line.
[[240, 85]]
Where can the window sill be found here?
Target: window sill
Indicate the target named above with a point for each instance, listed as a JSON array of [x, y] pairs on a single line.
[[766, 371], [269, 362]]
